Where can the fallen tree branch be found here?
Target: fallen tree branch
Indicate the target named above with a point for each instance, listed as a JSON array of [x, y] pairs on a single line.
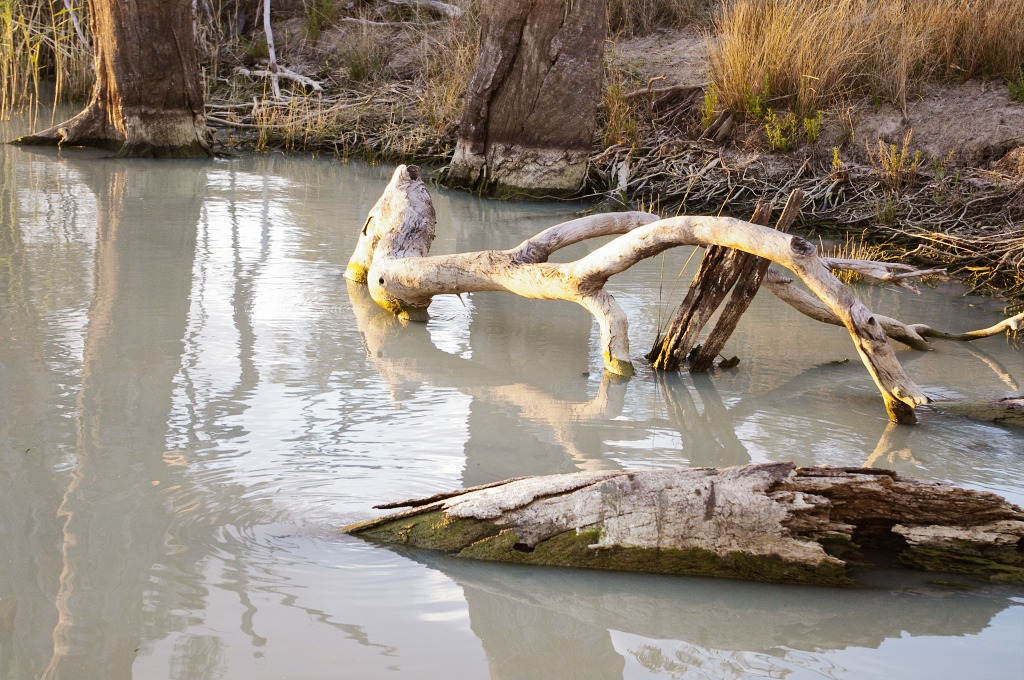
[[391, 257], [386, 24], [912, 335], [281, 72], [769, 521], [895, 273]]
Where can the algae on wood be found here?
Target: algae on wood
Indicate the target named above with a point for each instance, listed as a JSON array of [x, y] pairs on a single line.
[[769, 522]]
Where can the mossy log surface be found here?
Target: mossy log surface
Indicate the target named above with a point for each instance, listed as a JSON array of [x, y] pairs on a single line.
[[1008, 411], [767, 522]]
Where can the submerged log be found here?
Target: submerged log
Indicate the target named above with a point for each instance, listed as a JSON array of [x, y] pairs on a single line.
[[768, 522], [1008, 411]]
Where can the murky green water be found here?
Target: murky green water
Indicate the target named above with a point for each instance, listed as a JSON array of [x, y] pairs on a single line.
[[192, 401]]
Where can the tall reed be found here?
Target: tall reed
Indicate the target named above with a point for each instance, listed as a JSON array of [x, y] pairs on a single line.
[[809, 53], [38, 47]]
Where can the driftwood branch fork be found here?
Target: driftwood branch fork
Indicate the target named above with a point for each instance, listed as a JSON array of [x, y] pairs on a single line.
[[391, 257]]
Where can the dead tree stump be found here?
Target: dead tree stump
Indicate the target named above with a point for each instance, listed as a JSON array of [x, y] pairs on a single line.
[[531, 107], [721, 269]]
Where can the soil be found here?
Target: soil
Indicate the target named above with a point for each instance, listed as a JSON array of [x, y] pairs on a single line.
[[974, 124]]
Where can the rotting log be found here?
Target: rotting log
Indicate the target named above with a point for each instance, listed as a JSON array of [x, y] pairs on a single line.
[[768, 522], [391, 257]]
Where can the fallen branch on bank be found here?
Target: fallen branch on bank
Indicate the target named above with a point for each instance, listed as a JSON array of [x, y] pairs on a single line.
[[281, 72], [768, 522], [440, 8]]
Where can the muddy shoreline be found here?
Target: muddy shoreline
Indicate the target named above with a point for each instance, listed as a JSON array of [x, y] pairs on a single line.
[[961, 208]]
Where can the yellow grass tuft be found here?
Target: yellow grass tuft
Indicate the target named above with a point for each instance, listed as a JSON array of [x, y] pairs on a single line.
[[39, 45], [807, 54]]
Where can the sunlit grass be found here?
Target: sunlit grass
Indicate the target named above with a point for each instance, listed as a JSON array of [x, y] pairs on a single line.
[[39, 47], [806, 54]]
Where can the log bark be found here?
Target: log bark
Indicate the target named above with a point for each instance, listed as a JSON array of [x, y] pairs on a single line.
[[147, 99], [769, 522], [531, 107]]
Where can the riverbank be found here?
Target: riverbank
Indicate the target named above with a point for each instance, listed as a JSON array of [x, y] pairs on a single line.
[[893, 133], [938, 182]]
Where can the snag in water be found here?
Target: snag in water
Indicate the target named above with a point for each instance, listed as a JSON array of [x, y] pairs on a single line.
[[391, 256]]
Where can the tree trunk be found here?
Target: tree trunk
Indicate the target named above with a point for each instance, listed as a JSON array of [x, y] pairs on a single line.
[[768, 522], [147, 100], [531, 108]]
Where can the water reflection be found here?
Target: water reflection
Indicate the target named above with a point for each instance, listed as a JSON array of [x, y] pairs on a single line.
[[191, 402], [405, 356], [550, 622], [130, 357]]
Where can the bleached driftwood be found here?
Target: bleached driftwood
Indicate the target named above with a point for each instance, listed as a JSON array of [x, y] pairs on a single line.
[[912, 335], [769, 521], [282, 72], [391, 257]]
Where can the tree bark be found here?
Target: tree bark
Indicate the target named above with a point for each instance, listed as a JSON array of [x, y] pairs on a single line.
[[769, 522], [531, 108], [147, 99]]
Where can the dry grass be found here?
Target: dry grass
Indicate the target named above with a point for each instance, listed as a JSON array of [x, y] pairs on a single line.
[[630, 17], [395, 87], [618, 117], [806, 54], [449, 59], [857, 248]]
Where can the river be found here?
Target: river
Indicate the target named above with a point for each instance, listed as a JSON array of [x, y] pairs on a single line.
[[193, 401]]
